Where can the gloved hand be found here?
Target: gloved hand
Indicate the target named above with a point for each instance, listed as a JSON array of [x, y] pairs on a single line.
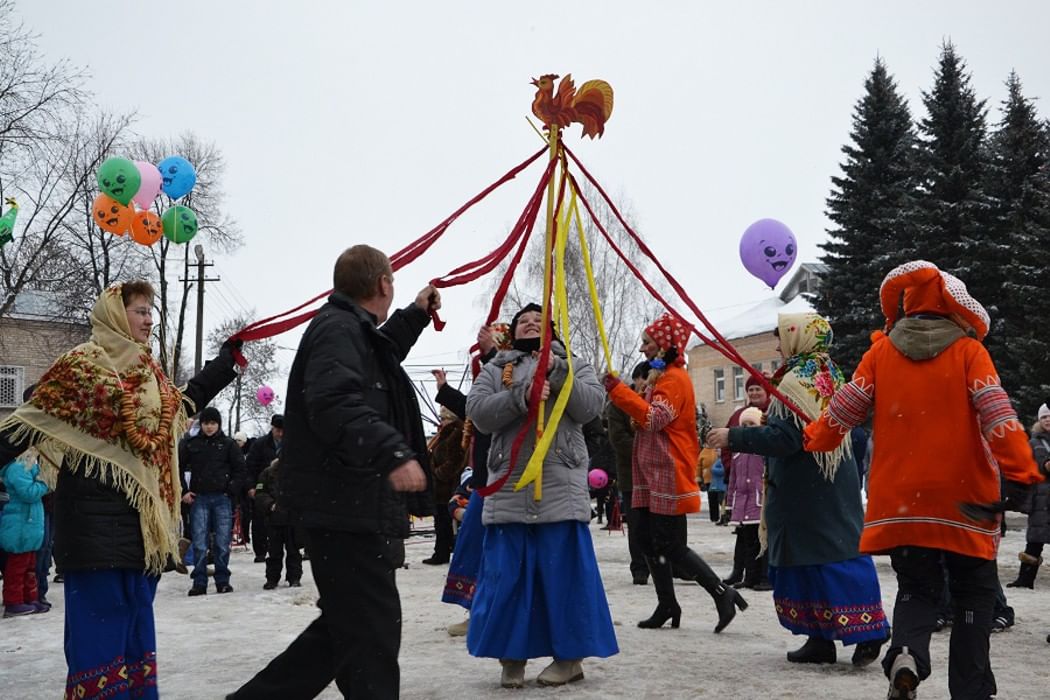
[[1017, 496], [230, 349], [610, 381]]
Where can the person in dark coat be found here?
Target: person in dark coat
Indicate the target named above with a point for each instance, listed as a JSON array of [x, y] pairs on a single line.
[[109, 418], [621, 437], [353, 447], [261, 454], [446, 461], [280, 536], [215, 466], [1038, 533]]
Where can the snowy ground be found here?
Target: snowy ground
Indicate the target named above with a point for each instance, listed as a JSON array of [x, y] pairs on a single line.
[[208, 646]]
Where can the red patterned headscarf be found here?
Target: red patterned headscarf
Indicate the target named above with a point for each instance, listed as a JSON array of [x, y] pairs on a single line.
[[669, 332]]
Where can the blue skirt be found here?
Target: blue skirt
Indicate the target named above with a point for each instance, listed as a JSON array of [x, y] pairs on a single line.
[[841, 600], [111, 642], [540, 594], [466, 557]]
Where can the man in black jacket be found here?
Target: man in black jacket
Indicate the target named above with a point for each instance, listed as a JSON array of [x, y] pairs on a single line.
[[263, 452], [354, 446], [216, 476]]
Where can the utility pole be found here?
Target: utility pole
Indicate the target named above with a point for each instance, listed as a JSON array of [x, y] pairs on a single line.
[[198, 250]]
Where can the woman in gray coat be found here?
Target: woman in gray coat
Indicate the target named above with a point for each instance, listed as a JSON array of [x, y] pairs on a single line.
[[539, 592]]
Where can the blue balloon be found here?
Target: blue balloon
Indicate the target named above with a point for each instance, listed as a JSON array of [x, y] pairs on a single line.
[[178, 176]]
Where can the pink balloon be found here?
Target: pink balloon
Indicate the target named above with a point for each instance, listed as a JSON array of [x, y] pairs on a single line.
[[264, 395], [768, 250], [597, 479], [150, 186]]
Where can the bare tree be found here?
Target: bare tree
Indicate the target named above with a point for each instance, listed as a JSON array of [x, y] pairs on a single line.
[[238, 400], [626, 305]]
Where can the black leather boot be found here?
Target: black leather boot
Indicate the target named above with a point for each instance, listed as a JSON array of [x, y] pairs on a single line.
[[727, 599], [1026, 576], [667, 607], [814, 651]]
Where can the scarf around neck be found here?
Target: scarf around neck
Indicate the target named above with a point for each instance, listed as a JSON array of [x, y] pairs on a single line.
[[106, 410], [809, 377]]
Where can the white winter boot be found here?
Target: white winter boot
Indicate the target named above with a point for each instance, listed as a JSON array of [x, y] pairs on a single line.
[[561, 672], [513, 673]]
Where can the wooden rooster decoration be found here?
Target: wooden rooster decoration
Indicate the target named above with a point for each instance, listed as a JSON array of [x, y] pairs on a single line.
[[590, 106]]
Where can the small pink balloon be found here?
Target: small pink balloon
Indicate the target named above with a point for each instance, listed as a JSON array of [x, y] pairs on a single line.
[[264, 395], [597, 479], [150, 186]]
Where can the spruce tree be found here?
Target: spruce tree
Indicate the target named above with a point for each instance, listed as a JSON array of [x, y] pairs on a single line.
[[1019, 180], [955, 210], [872, 205]]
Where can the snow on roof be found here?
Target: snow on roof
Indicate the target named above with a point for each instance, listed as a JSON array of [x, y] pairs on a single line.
[[741, 321]]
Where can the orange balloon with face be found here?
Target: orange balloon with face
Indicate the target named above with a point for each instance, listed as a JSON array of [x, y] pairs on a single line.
[[146, 228], [111, 215]]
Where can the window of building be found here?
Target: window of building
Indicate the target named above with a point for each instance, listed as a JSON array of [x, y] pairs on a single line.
[[12, 383], [739, 393], [720, 386], [774, 365]]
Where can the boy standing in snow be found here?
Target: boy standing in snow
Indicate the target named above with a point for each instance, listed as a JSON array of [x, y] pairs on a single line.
[[280, 533], [21, 534]]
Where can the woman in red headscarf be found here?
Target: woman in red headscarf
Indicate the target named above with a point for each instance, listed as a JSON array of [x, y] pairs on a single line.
[[666, 448]]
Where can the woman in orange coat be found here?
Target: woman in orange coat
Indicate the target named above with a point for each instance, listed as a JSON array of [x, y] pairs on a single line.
[[944, 434], [666, 448]]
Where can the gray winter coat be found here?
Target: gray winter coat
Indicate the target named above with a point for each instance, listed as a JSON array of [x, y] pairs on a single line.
[[500, 411], [1039, 508]]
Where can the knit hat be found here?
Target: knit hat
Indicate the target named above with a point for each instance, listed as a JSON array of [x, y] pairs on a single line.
[[211, 415], [751, 381], [669, 332], [928, 289], [240, 438], [1044, 411], [277, 421], [751, 413]]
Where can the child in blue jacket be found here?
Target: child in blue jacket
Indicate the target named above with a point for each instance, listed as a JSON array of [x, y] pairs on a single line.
[[21, 534]]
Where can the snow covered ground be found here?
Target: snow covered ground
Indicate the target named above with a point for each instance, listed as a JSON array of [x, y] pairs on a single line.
[[208, 646]]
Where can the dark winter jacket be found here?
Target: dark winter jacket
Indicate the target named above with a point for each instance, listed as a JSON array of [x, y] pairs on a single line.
[[215, 464], [621, 437], [267, 496], [1039, 507], [447, 460], [810, 520], [260, 456], [351, 417], [456, 401], [95, 525]]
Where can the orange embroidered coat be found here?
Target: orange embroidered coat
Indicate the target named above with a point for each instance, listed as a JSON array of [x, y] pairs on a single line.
[[666, 446], [944, 429]]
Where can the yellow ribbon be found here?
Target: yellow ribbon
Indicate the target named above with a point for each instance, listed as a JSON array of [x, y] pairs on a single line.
[[595, 304], [534, 469]]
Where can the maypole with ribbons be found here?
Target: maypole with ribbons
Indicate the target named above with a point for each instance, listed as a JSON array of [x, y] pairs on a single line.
[[590, 106]]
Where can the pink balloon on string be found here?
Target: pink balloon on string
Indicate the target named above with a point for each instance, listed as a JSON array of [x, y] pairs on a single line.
[[597, 479], [150, 187], [264, 395]]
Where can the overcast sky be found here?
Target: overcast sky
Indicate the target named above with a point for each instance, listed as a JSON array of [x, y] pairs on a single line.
[[369, 122]]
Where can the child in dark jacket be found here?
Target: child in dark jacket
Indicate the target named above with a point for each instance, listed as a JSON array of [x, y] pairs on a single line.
[[21, 534], [281, 539]]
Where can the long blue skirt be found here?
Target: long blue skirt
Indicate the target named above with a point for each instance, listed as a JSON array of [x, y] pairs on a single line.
[[111, 641], [841, 600], [540, 594], [466, 557]]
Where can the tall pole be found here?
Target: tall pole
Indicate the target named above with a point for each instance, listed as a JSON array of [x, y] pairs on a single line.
[[238, 403], [198, 250]]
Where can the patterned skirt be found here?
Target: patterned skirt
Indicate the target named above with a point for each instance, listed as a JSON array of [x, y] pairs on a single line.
[[466, 557], [540, 594], [111, 643], [841, 600]]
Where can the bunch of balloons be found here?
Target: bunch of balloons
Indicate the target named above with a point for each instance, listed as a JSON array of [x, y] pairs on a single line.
[[129, 190], [768, 250]]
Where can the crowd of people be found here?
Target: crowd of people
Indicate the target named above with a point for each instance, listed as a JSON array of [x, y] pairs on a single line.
[[106, 457]]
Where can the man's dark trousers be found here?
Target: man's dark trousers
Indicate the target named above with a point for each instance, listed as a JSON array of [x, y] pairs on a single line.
[[356, 639]]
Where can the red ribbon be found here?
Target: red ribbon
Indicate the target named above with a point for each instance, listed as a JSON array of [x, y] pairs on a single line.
[[271, 326]]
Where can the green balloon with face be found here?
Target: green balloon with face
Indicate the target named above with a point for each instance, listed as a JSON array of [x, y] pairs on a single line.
[[119, 178], [180, 224]]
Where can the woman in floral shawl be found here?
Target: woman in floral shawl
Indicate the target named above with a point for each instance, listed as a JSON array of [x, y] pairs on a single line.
[[106, 422], [822, 586]]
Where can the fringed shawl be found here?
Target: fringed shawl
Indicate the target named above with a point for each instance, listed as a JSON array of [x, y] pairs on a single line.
[[105, 409]]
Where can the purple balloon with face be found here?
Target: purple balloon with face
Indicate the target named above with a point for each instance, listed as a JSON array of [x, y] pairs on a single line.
[[768, 250]]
